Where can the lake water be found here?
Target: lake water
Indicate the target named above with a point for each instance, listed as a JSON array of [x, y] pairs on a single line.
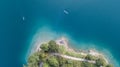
[[88, 23]]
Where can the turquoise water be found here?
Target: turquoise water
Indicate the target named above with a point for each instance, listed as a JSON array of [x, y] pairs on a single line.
[[89, 23]]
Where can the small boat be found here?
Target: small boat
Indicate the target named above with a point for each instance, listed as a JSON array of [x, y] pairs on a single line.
[[66, 12], [23, 18]]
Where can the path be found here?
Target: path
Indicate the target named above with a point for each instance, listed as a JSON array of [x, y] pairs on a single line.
[[73, 58], [68, 57]]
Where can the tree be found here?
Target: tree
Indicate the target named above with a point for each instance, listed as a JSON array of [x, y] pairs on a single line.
[[44, 47], [53, 62], [45, 65], [100, 62], [53, 47], [86, 64], [90, 57], [33, 58], [61, 61], [42, 56]]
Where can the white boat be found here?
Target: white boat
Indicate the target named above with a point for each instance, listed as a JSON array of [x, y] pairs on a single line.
[[23, 18], [66, 12]]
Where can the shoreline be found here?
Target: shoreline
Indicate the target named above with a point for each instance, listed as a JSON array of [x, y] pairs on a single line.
[[92, 52]]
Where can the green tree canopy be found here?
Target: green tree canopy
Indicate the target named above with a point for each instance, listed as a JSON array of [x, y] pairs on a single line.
[[86, 64], [46, 58], [100, 62], [44, 47], [53, 62], [53, 47], [33, 60], [90, 57], [45, 65]]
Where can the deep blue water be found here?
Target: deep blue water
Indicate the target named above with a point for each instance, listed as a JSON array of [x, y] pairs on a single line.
[[88, 20]]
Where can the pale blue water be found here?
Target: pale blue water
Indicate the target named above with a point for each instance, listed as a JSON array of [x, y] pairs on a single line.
[[90, 21]]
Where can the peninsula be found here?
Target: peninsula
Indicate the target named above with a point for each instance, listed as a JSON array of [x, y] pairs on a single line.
[[57, 53]]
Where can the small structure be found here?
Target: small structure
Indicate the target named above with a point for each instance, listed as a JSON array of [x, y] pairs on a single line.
[[62, 41]]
